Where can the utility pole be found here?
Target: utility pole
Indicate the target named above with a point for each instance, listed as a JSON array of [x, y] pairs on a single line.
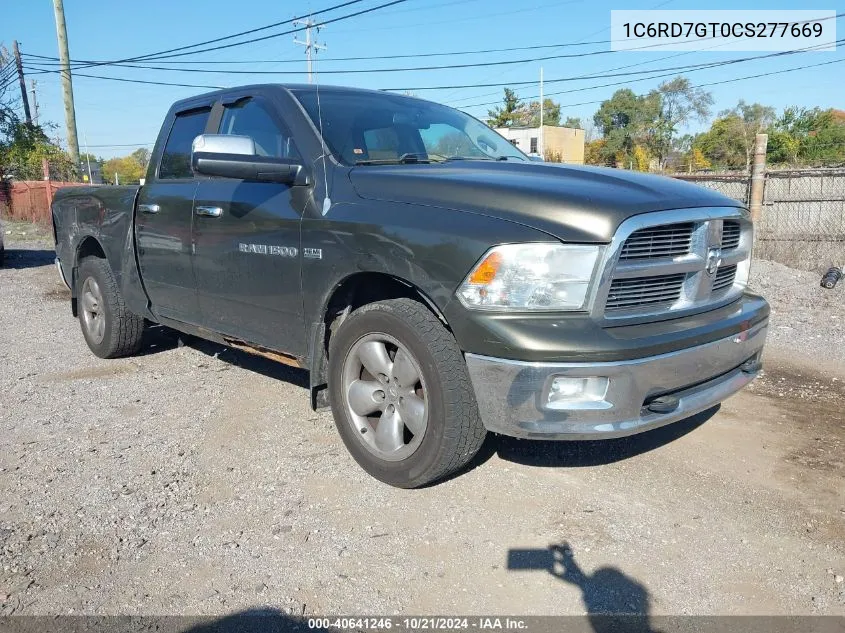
[[758, 177], [22, 81], [541, 148], [67, 84], [311, 47], [34, 101]]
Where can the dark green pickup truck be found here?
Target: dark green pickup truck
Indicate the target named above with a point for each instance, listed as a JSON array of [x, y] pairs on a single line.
[[436, 283]]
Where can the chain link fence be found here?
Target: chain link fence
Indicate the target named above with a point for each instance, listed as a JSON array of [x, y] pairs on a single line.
[[803, 218], [802, 223]]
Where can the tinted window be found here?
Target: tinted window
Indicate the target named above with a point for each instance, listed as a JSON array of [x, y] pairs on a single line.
[[382, 143], [442, 139], [250, 118], [362, 126], [176, 159]]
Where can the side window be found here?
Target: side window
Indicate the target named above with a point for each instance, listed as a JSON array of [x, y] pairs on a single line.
[[176, 158], [250, 118]]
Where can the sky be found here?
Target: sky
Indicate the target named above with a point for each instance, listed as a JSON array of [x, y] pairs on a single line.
[[113, 118]]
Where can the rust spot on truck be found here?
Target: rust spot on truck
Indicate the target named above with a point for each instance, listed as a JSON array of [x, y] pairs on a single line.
[[258, 350]]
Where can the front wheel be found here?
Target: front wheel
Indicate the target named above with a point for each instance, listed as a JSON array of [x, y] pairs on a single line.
[[401, 396], [109, 328]]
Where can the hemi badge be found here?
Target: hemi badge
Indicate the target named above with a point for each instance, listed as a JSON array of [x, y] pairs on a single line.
[[312, 253]]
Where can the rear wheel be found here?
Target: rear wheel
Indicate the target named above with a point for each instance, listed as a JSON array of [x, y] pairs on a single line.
[[401, 396], [109, 328]]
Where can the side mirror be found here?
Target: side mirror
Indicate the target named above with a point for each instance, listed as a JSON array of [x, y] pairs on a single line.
[[232, 156]]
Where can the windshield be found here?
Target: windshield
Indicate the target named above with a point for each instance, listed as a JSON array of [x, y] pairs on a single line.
[[363, 128]]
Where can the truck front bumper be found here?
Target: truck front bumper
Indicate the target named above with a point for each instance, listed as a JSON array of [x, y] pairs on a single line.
[[516, 398]]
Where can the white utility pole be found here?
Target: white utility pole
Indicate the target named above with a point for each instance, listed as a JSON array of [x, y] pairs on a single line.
[[542, 104], [311, 46], [34, 102], [88, 160]]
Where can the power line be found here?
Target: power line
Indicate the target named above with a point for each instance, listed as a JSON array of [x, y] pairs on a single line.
[[228, 37], [382, 70], [672, 71], [415, 25], [388, 70], [54, 60], [127, 62], [688, 68], [274, 35], [215, 48], [125, 145], [137, 81], [704, 85], [585, 88], [602, 30]]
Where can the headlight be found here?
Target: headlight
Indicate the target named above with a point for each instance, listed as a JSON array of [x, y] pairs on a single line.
[[538, 276]]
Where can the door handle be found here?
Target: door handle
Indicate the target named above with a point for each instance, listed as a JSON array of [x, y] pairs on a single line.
[[149, 208], [209, 212]]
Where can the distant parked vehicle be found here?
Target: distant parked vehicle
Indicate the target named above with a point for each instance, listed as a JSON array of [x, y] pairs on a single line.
[[436, 282]]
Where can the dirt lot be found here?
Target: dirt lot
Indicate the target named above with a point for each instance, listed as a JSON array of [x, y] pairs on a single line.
[[197, 480]]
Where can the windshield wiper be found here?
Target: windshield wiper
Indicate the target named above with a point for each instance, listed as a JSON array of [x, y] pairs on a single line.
[[451, 158], [404, 159]]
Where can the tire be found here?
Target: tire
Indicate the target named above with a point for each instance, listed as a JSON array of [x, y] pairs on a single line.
[[110, 330], [452, 432]]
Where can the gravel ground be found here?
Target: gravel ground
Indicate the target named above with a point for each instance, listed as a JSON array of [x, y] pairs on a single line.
[[808, 322], [196, 480]]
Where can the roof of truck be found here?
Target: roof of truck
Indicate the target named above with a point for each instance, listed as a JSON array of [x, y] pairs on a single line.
[[292, 87]]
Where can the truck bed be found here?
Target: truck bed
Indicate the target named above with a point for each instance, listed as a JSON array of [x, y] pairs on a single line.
[[98, 217]]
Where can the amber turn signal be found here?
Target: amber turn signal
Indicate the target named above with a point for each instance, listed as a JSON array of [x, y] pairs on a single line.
[[486, 271]]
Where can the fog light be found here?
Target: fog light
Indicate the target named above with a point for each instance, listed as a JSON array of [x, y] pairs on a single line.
[[578, 393]]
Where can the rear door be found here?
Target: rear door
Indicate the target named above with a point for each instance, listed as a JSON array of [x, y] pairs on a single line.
[[246, 234], [163, 223]]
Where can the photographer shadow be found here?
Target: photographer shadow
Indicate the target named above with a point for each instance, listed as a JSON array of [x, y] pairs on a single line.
[[615, 602]]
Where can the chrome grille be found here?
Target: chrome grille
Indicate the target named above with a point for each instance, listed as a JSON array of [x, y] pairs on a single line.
[[644, 291], [724, 278], [658, 241], [667, 264], [730, 234]]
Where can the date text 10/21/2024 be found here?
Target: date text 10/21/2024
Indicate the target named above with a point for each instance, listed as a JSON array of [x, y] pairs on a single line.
[[420, 623]]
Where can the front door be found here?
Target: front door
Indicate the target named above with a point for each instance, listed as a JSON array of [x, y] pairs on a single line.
[[163, 224], [246, 241]]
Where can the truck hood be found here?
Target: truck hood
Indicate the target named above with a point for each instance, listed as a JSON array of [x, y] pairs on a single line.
[[578, 204]]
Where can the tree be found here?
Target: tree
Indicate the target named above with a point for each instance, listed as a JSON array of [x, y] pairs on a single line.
[[751, 119], [24, 146], [679, 103], [640, 158], [127, 168], [529, 116], [9, 100], [142, 155], [23, 150], [624, 121], [508, 114], [594, 153], [724, 143], [573, 122], [808, 136]]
